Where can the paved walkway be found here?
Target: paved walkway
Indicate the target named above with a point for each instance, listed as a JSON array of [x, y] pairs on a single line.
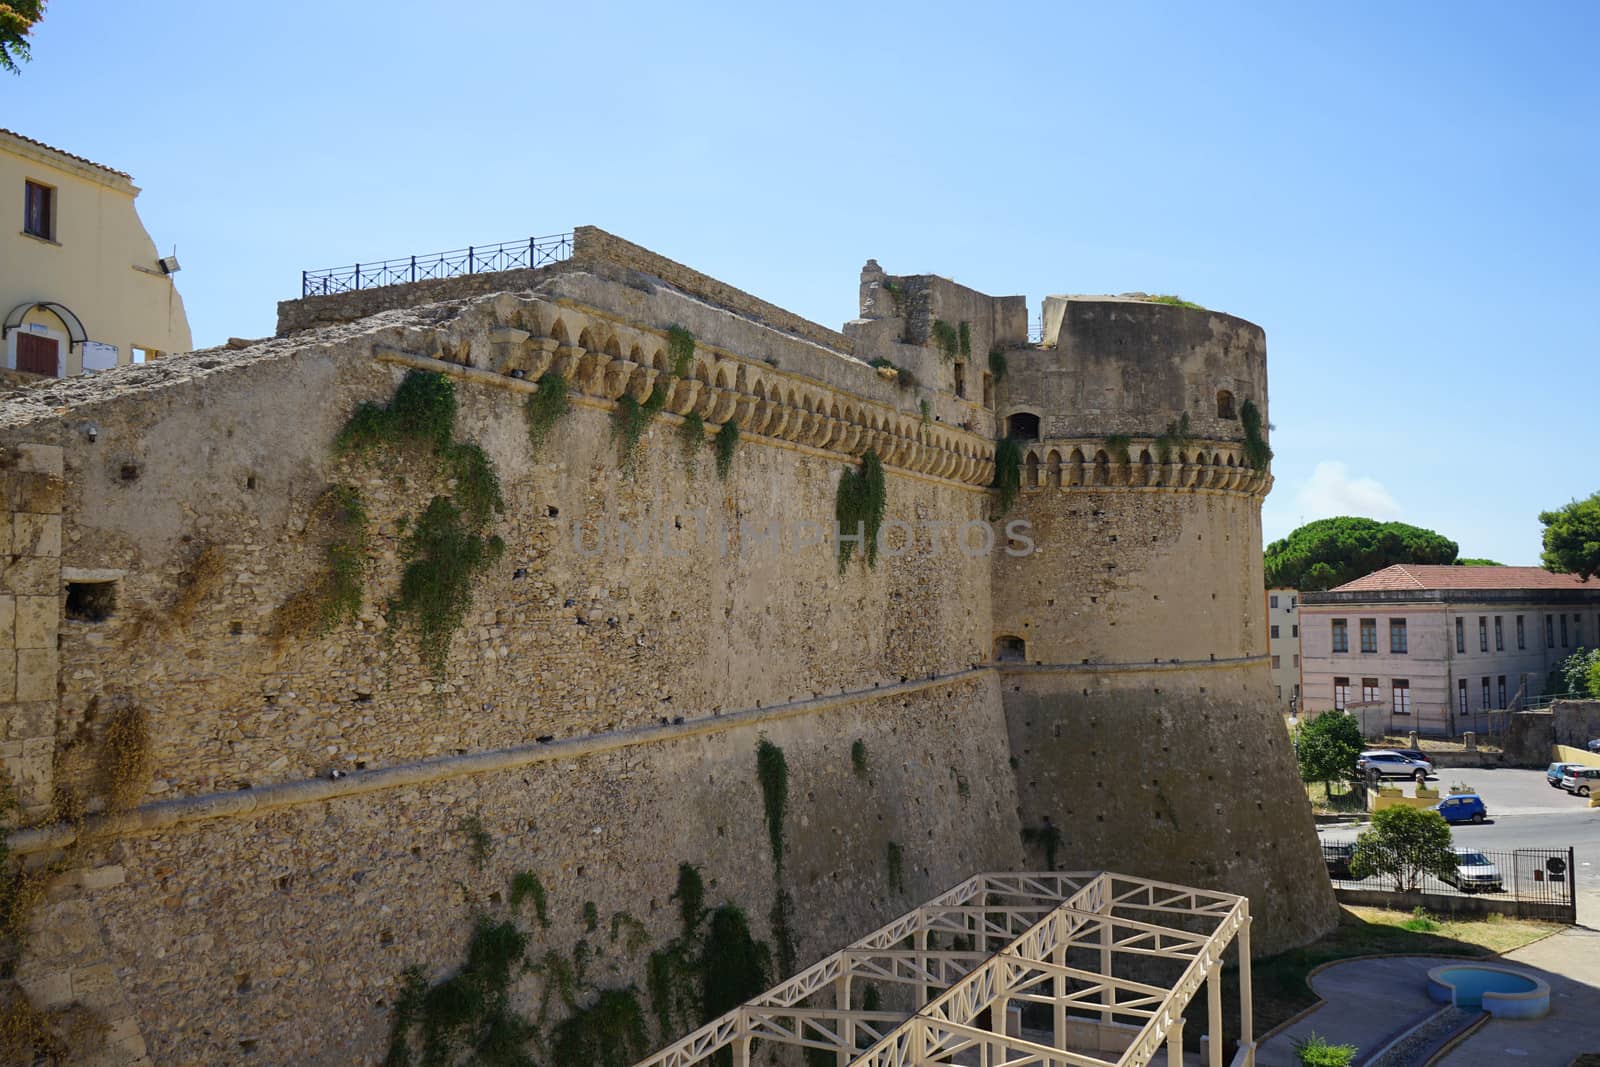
[[1570, 962], [1367, 1002]]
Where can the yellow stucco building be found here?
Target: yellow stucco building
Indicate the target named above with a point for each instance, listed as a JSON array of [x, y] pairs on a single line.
[[82, 286]]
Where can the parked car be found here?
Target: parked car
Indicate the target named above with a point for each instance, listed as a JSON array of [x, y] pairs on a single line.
[[1336, 856], [1474, 873], [1556, 772], [1462, 807], [1580, 781], [1414, 754], [1594, 746], [1387, 763]]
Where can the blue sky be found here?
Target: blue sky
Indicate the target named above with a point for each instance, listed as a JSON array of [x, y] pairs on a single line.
[[1402, 195]]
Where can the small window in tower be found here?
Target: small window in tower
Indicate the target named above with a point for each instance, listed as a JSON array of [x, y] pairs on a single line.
[[1225, 405], [91, 601], [1009, 649], [1023, 425]]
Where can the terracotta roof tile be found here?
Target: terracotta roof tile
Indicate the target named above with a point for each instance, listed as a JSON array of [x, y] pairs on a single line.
[[1445, 576], [69, 155]]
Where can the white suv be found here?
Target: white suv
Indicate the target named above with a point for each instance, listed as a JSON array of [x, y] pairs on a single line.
[[1387, 763]]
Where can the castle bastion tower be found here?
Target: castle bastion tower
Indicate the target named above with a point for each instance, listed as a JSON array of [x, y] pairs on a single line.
[[1131, 643]]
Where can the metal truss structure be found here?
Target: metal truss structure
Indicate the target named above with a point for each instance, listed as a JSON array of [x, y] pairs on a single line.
[[1057, 939]]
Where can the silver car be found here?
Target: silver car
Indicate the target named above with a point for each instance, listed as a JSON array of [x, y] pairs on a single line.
[[1474, 873], [1387, 763]]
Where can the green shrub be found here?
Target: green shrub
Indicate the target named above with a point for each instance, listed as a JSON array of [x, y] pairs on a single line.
[[630, 419], [1314, 1051], [422, 411], [1117, 447], [1175, 301]]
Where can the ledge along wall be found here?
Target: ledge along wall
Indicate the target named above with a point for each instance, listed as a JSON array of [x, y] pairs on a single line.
[[1141, 719], [281, 923]]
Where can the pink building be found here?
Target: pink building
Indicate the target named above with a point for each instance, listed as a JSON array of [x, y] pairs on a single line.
[[1442, 646]]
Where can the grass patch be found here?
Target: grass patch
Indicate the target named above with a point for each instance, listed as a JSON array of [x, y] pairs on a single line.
[[1175, 301], [1280, 983]]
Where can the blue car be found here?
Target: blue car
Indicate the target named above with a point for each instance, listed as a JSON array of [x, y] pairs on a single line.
[[1462, 807]]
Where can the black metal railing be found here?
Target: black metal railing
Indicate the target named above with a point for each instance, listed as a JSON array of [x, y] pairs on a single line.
[[1530, 875], [473, 259]]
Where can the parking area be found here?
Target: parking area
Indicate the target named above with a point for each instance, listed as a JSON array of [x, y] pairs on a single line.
[[1524, 813]]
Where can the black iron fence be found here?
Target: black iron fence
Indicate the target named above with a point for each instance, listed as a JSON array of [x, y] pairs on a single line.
[[1526, 875], [473, 259]]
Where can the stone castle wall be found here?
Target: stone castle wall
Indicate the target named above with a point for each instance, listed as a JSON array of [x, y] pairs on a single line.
[[302, 837]]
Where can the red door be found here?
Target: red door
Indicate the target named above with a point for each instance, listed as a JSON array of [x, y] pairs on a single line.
[[36, 354]]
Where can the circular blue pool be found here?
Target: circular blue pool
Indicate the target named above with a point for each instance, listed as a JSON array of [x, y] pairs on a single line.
[[1500, 991]]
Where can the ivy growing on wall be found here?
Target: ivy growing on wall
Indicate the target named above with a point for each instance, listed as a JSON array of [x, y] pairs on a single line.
[[859, 504], [895, 859], [691, 438], [1007, 473], [927, 411], [772, 771], [1177, 435], [964, 334], [724, 444], [630, 419], [1046, 836], [445, 547], [525, 885], [997, 364], [545, 406], [1256, 451], [444, 553], [858, 757], [946, 337], [1117, 447], [680, 350]]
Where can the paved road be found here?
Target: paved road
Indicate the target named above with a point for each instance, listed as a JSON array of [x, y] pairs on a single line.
[[1525, 813]]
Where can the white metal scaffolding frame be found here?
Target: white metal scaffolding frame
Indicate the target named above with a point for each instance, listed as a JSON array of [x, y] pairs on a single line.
[[1011, 936]]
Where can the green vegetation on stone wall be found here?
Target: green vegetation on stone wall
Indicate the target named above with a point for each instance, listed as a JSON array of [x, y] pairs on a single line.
[[691, 439], [946, 338], [1007, 473], [1257, 452], [544, 408], [997, 364], [630, 419], [1046, 837], [964, 337], [1175, 301], [895, 860], [859, 502], [444, 548], [724, 444], [444, 552], [1117, 447], [335, 594], [858, 757], [1329, 552], [772, 772], [680, 350], [525, 885], [1176, 436]]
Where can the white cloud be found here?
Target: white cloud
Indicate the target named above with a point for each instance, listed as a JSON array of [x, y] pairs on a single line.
[[1331, 491]]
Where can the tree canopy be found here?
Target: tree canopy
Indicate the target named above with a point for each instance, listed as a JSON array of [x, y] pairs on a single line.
[[17, 19], [1327, 746], [1572, 538], [1330, 552], [1404, 844], [1473, 561]]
